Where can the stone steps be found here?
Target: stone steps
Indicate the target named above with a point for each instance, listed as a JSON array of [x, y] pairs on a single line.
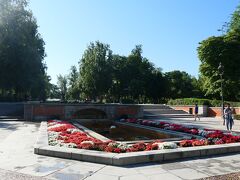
[[163, 111]]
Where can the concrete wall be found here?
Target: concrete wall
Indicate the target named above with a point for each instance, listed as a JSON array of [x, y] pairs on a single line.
[[217, 111], [12, 109], [202, 110], [44, 111], [206, 111]]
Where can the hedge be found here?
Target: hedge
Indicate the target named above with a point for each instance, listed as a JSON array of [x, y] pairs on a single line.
[[193, 101]]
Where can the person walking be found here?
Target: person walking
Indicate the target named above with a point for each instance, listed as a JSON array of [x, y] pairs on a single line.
[[228, 117], [196, 112]]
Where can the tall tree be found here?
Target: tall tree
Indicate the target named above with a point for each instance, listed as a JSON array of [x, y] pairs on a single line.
[[235, 20], [156, 86], [54, 92], [62, 82], [73, 90], [120, 78], [180, 84], [138, 71], [224, 49], [23, 71], [96, 71]]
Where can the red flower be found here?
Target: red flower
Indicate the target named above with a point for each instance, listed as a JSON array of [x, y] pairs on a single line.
[[86, 146], [117, 150], [109, 149], [186, 143], [201, 142], [139, 146]]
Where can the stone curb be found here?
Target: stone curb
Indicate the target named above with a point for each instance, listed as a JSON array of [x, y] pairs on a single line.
[[42, 148]]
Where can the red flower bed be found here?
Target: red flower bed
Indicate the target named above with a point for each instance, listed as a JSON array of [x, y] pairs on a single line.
[[209, 136], [63, 133]]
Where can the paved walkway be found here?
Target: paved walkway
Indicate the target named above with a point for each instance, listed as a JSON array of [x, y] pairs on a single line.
[[205, 122], [17, 161]]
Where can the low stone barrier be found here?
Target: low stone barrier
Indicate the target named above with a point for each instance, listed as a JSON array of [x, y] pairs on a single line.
[[45, 111], [42, 148]]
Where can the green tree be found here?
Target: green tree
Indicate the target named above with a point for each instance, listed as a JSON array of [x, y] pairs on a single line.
[[138, 71], [135, 79], [62, 82], [224, 49], [156, 87], [96, 71], [211, 52], [235, 20], [73, 90], [23, 71], [180, 84], [54, 92], [119, 79]]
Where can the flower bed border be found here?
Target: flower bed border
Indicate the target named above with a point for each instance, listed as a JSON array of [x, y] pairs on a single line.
[[42, 148]]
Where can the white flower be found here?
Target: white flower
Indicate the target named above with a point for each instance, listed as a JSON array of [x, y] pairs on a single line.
[[167, 145], [73, 130], [55, 126], [68, 145], [53, 135], [123, 146], [54, 122], [113, 144], [87, 142]]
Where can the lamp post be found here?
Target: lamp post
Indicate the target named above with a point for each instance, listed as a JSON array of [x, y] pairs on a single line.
[[221, 71]]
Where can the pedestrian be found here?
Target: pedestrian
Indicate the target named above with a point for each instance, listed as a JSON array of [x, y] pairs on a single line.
[[196, 112], [228, 117]]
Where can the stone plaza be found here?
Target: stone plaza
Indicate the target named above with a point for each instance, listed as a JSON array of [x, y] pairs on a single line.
[[18, 160]]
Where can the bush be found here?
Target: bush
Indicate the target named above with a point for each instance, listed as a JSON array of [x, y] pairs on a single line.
[[208, 102], [189, 101]]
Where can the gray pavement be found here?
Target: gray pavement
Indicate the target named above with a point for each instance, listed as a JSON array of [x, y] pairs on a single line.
[[17, 160], [205, 122]]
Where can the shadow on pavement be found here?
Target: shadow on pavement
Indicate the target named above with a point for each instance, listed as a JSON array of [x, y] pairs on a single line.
[[14, 125]]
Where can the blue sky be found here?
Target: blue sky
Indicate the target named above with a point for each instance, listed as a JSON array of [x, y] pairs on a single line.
[[169, 30]]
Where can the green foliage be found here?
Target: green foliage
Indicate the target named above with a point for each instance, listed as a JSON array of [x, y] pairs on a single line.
[[96, 71], [73, 89], [135, 79], [23, 72], [125, 79], [235, 20], [62, 86], [189, 101], [54, 92], [224, 49], [180, 84], [193, 101]]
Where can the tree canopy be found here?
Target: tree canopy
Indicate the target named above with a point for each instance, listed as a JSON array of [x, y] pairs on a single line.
[[181, 85], [23, 71], [95, 70], [224, 49], [128, 79]]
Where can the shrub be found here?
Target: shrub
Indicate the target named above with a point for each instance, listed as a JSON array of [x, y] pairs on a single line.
[[192, 101]]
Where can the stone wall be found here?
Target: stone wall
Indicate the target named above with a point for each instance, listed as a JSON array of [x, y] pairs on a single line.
[[206, 111], [217, 111], [44, 111], [12, 109], [202, 110]]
